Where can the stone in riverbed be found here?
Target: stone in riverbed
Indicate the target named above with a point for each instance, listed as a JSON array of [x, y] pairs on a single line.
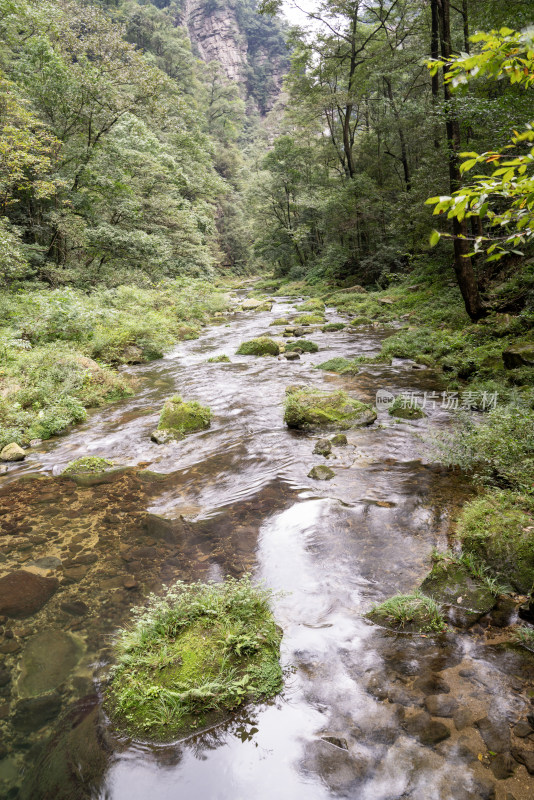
[[441, 705], [321, 473], [503, 766], [311, 408], [292, 356], [22, 593], [495, 733], [522, 730], [464, 599], [322, 447], [339, 440], [525, 757], [34, 712], [12, 452], [47, 660], [179, 417], [427, 730]]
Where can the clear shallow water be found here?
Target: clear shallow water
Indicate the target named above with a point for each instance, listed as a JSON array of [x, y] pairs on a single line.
[[236, 498]]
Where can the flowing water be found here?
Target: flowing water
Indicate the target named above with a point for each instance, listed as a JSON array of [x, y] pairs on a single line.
[[237, 498]]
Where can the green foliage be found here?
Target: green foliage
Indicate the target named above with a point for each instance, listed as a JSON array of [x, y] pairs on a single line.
[[410, 612], [222, 359], [263, 346], [192, 654], [87, 465], [524, 636], [498, 529], [333, 326]]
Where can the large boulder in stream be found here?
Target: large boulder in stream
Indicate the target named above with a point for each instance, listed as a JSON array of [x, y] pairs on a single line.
[[309, 408], [263, 346], [92, 471], [179, 417], [12, 452]]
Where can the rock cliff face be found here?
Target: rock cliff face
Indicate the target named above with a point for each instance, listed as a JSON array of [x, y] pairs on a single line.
[[250, 48]]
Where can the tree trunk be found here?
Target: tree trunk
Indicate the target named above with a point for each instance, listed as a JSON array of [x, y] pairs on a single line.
[[402, 139], [434, 54], [463, 265]]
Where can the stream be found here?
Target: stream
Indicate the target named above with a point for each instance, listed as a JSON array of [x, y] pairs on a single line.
[[237, 498]]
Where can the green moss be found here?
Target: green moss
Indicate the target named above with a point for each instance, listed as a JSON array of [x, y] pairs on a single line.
[[302, 344], [263, 346], [314, 304], [333, 326], [498, 528], [192, 655], [179, 416], [314, 408], [410, 612], [340, 365], [402, 409], [89, 465], [280, 321], [310, 319], [222, 359]]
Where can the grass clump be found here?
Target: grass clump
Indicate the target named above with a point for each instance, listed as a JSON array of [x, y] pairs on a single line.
[[180, 417], [190, 656], [315, 408], [263, 346], [498, 529], [313, 304], [310, 319], [524, 636], [222, 359], [333, 326], [403, 409], [302, 344], [343, 366], [279, 321], [90, 465], [413, 612]]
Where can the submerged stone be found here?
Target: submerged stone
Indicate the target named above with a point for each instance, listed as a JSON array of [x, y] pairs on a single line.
[[34, 712], [22, 593], [315, 408], [47, 660]]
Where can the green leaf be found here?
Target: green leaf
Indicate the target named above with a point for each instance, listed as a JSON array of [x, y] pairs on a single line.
[[435, 236]]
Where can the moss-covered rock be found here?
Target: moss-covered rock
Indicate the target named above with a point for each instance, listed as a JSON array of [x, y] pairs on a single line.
[[323, 447], [521, 355], [90, 465], [252, 304], [263, 346], [179, 417], [193, 655], [222, 359], [339, 440], [321, 473], [464, 597], [331, 327], [315, 408], [340, 365], [12, 452], [279, 321], [402, 409], [310, 319], [314, 304], [303, 345], [498, 528], [415, 613]]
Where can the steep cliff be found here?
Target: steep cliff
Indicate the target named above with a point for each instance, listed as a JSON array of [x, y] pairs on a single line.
[[250, 48]]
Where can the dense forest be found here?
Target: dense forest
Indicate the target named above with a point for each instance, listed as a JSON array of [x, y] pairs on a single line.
[[267, 399]]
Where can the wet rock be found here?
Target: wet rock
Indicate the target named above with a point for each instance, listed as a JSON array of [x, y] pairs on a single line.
[[441, 705], [32, 713], [522, 730], [340, 771], [322, 447], [292, 356], [495, 733], [22, 593], [502, 614], [339, 440], [132, 354], [503, 766], [484, 788], [519, 356], [3, 469], [162, 437], [250, 304], [465, 600], [321, 473], [427, 730], [12, 452], [9, 647], [75, 574], [312, 408], [525, 757], [530, 720], [403, 696], [47, 562], [5, 676], [432, 684], [129, 582], [526, 611], [76, 608], [337, 741], [47, 661]]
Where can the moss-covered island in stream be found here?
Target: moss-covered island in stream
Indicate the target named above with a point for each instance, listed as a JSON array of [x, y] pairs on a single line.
[[222, 359], [263, 346], [412, 613], [403, 409], [316, 408], [179, 417], [90, 465], [304, 345], [192, 656]]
